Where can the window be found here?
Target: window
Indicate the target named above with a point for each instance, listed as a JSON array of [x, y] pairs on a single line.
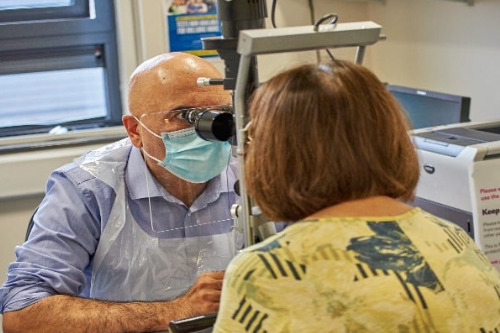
[[58, 65]]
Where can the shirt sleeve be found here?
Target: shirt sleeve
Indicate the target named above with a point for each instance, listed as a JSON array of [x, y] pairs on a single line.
[[56, 258]]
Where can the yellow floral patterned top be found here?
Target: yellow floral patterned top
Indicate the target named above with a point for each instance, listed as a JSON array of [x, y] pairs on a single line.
[[409, 273]]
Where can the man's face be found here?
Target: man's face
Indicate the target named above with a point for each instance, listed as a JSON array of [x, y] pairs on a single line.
[[164, 83], [169, 120]]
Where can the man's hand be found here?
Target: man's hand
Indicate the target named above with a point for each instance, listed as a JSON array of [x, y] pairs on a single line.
[[204, 296]]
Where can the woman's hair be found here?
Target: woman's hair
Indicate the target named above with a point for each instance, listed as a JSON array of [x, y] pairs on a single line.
[[322, 135]]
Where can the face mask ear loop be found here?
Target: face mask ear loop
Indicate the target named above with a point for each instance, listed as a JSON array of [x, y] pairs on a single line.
[[149, 199], [151, 157], [142, 148], [147, 129], [146, 173]]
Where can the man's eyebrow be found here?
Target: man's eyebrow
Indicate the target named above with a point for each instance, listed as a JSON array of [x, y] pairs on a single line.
[[182, 107], [223, 107]]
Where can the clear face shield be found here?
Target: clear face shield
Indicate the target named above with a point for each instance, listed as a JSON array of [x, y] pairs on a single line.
[[191, 155], [162, 233]]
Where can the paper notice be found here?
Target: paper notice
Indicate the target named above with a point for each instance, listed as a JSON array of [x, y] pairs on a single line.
[[486, 207]]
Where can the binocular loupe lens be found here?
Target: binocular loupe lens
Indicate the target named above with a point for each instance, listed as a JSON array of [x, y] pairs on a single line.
[[211, 124]]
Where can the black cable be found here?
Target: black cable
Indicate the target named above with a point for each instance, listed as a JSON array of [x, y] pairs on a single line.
[[311, 10], [313, 18], [334, 17], [273, 13], [330, 54], [333, 20]]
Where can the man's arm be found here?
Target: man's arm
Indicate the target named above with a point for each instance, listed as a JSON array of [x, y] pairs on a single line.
[[61, 313]]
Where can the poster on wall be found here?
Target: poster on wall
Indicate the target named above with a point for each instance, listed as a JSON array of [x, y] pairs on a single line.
[[486, 208], [188, 21]]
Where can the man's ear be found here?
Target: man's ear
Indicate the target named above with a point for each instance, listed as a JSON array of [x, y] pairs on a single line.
[[133, 131]]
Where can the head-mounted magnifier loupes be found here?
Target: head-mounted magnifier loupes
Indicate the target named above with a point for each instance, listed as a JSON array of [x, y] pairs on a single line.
[[212, 123]]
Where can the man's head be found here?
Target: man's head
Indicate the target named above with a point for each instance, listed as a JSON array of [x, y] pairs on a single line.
[[322, 135], [163, 83], [168, 81]]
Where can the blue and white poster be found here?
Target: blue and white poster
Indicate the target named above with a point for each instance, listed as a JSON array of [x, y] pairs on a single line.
[[190, 20]]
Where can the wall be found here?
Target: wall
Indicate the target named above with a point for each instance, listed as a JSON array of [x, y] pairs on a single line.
[[443, 46]]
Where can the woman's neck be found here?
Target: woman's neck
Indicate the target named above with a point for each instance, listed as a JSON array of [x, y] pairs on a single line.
[[372, 206]]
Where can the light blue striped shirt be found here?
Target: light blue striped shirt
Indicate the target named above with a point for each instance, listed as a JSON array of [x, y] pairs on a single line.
[[58, 256]]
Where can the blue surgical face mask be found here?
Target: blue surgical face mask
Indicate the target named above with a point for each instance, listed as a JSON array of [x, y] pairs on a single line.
[[189, 157]]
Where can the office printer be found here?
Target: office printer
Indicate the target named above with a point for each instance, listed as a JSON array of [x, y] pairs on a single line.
[[460, 179]]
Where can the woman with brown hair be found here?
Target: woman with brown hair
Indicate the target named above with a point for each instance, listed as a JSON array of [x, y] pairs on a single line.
[[329, 149]]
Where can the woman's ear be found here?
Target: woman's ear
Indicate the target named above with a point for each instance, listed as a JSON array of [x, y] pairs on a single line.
[[132, 126]]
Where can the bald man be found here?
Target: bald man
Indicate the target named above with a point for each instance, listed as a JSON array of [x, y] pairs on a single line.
[[136, 234]]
